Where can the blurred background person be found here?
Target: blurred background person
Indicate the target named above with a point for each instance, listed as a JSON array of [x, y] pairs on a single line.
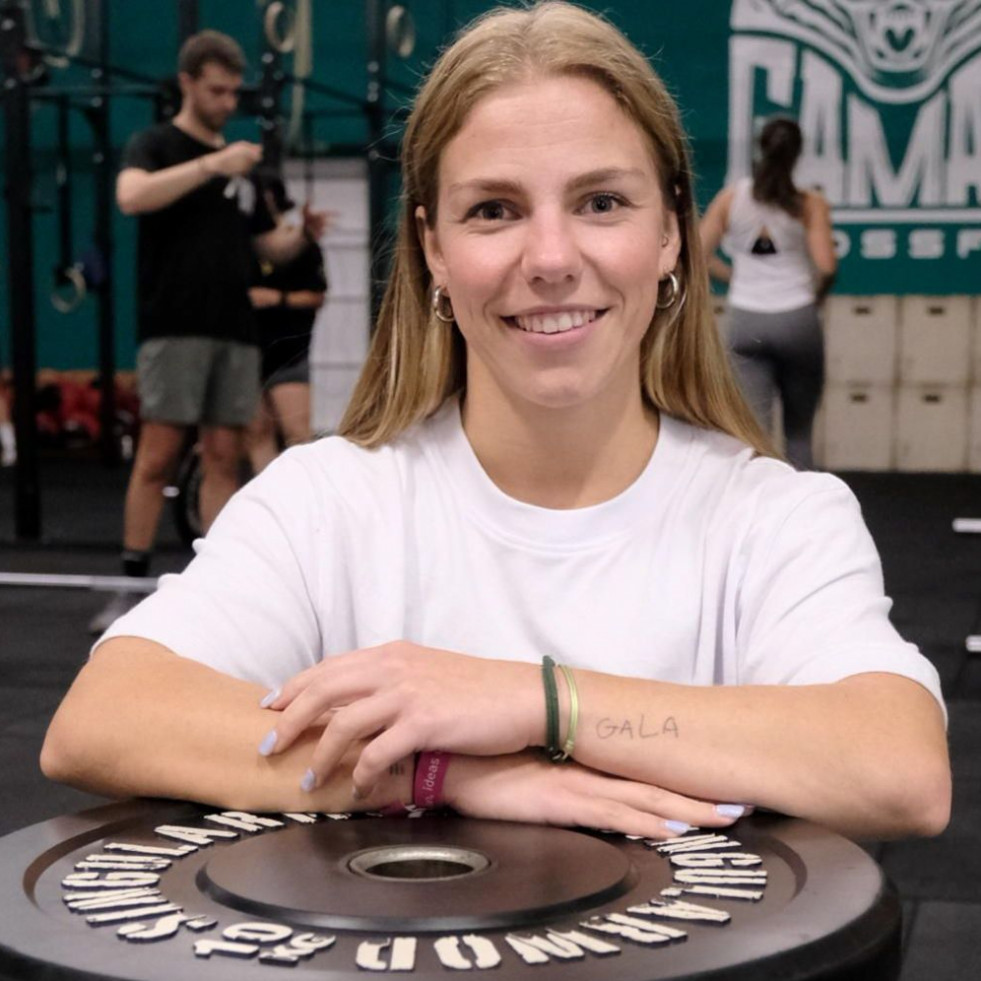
[[286, 299], [200, 218], [779, 238]]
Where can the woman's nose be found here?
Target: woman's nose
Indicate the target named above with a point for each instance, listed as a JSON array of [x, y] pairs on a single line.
[[551, 252]]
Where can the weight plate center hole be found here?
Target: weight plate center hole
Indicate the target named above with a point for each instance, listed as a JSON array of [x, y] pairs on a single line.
[[417, 863]]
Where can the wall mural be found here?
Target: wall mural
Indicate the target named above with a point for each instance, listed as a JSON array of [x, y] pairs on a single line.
[[888, 93]]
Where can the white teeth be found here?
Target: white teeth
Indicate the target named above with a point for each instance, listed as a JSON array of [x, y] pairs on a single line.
[[555, 323]]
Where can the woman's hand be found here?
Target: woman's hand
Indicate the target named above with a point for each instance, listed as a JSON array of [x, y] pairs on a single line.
[[528, 788], [402, 698]]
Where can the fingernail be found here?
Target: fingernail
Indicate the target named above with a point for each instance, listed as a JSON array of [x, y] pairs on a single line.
[[677, 827], [268, 743], [308, 782], [356, 794], [730, 810], [269, 698]]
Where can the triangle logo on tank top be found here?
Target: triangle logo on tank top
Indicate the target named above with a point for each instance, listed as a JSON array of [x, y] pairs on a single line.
[[764, 244]]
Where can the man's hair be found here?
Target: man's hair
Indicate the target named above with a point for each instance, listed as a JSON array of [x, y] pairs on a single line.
[[210, 46]]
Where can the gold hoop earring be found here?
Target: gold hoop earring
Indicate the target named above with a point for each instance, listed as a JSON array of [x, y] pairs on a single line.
[[442, 306], [673, 292]]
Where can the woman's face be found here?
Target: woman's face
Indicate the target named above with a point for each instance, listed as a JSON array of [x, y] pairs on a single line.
[[550, 238]]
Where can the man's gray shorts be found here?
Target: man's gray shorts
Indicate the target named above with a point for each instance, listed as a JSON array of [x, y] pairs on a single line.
[[188, 381]]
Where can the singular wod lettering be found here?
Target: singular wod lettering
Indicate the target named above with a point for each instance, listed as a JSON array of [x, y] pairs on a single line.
[[124, 886]]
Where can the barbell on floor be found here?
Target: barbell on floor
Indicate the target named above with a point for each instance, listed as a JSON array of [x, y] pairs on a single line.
[[109, 584]]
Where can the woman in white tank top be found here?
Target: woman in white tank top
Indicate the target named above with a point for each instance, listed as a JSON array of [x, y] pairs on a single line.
[[783, 262]]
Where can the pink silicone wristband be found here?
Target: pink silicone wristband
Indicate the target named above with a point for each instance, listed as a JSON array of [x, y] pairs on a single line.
[[427, 786]]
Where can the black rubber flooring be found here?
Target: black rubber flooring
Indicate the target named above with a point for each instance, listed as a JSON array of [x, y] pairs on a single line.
[[933, 575]]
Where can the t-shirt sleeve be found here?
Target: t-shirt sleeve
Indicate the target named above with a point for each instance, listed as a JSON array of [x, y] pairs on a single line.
[[245, 603], [812, 607], [143, 152]]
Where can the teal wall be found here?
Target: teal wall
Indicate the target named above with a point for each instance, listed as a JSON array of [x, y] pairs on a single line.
[[896, 145]]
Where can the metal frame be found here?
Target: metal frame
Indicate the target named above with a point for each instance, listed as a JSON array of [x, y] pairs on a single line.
[[20, 229]]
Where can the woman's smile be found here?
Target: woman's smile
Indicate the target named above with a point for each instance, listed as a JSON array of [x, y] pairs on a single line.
[[554, 321]]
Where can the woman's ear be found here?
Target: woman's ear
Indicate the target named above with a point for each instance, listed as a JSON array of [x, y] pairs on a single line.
[[430, 246], [670, 244]]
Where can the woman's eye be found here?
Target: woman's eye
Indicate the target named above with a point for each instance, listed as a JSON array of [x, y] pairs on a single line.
[[488, 211], [604, 203]]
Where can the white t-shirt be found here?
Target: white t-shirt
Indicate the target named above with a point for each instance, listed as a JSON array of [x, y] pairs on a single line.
[[714, 567]]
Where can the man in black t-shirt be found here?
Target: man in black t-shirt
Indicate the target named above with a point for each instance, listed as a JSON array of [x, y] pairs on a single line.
[[198, 359]]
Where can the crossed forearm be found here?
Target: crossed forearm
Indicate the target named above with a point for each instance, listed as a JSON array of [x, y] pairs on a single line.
[[825, 752]]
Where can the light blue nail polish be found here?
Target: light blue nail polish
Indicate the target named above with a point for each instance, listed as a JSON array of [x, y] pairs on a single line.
[[268, 743], [677, 827], [269, 698], [308, 781], [730, 810]]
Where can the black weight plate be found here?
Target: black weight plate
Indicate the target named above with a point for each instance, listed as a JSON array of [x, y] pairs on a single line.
[[826, 911]]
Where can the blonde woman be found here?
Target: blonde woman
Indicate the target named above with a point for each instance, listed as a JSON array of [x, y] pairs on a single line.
[[545, 460]]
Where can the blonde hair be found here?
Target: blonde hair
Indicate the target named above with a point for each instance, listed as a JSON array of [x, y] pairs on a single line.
[[415, 362]]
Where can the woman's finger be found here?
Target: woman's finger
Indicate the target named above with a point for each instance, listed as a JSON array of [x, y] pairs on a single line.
[[351, 724], [351, 675], [672, 806], [309, 707], [378, 756], [608, 814]]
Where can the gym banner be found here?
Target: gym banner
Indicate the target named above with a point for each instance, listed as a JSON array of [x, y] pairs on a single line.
[[888, 95]]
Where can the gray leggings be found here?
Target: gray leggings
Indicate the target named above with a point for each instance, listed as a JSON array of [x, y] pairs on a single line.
[[781, 353]]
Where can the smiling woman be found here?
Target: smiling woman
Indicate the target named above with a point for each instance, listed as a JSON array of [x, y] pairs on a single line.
[[550, 237], [546, 460]]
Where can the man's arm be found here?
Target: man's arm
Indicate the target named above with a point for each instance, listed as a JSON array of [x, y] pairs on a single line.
[[140, 191]]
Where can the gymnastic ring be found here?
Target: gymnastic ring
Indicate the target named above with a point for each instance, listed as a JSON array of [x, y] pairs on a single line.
[[73, 44], [72, 276], [400, 30], [283, 43]]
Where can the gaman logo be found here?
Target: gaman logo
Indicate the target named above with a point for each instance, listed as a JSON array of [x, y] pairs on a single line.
[[896, 50], [888, 94]]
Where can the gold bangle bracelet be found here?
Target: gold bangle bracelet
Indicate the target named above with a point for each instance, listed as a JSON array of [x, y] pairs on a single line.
[[570, 736]]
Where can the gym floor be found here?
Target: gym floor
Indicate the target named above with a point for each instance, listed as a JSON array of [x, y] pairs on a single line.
[[933, 575]]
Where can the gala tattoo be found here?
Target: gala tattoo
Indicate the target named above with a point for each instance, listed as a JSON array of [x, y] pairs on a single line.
[[642, 728]]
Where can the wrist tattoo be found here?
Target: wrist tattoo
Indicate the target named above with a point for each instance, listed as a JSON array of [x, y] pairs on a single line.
[[643, 727]]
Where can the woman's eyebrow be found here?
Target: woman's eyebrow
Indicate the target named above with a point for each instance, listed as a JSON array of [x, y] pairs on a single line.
[[486, 185], [606, 175], [503, 186]]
